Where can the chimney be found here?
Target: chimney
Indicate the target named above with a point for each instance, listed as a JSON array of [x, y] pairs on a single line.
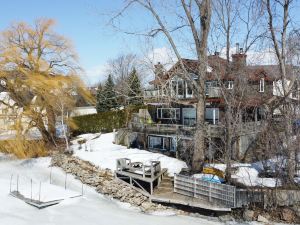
[[217, 53], [239, 59], [159, 70]]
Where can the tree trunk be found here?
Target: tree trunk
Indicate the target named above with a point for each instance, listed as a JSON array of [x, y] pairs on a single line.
[[291, 153], [44, 132], [228, 142], [51, 121], [199, 147]]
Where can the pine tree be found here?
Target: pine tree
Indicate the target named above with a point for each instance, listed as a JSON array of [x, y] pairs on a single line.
[[106, 96], [134, 92], [100, 98], [110, 94]]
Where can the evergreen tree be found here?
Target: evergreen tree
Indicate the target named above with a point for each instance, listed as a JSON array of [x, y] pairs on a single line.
[[100, 98], [134, 92], [106, 96]]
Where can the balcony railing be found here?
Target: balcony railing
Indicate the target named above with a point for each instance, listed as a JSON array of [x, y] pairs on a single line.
[[151, 93], [214, 92], [211, 92], [210, 129]]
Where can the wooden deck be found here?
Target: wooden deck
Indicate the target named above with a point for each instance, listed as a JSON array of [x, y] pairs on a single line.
[[165, 194], [162, 190], [136, 179]]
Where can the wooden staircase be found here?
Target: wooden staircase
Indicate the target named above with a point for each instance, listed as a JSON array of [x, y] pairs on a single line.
[[165, 186]]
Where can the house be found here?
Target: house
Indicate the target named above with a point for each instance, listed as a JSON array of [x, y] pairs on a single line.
[[168, 124]]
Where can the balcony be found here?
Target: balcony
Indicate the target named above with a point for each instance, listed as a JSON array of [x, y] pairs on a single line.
[[151, 93], [213, 92], [139, 124]]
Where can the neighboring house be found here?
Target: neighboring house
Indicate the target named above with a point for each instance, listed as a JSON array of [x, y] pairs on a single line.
[[83, 110], [7, 114], [169, 122]]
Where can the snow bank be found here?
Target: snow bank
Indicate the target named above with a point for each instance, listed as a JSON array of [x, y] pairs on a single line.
[[90, 209], [101, 151]]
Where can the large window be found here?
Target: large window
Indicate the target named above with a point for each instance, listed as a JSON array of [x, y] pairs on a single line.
[[262, 85], [189, 116], [177, 87], [161, 143], [168, 113], [229, 84], [212, 115]]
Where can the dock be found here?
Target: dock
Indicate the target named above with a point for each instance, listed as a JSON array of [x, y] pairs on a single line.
[[153, 182], [35, 203], [165, 194]]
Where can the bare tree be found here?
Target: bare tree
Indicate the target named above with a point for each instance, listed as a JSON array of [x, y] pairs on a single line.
[[278, 30], [197, 17]]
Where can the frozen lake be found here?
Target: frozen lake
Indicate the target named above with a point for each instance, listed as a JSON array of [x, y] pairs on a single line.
[[90, 209]]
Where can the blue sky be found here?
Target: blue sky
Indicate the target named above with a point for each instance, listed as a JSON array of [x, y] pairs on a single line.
[[83, 21], [79, 20]]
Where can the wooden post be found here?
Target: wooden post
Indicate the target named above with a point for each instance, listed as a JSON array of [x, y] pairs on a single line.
[[66, 181], [11, 177], [195, 185], [18, 183], [51, 175], [151, 188], [31, 189], [40, 191]]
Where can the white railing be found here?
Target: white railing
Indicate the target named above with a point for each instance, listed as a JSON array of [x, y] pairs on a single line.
[[215, 193], [151, 93], [214, 92]]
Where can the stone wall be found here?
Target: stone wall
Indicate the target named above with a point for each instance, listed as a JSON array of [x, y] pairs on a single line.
[[104, 182]]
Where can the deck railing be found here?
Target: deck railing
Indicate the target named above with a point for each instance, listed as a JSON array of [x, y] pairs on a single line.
[[215, 193]]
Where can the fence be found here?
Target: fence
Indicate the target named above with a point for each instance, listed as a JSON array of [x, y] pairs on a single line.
[[214, 193]]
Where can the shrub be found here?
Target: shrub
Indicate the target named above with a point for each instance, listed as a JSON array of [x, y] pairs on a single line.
[[103, 121], [22, 148]]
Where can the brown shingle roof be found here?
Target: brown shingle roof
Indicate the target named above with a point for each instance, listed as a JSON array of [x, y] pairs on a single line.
[[219, 67]]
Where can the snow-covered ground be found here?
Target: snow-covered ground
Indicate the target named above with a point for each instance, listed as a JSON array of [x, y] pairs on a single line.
[[248, 173], [101, 151], [90, 209]]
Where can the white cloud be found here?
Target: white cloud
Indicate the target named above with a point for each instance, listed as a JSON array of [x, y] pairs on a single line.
[[95, 74], [163, 55], [263, 57]]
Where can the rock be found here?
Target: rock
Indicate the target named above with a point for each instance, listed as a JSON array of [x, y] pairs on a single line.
[[296, 209], [248, 215], [288, 215], [146, 205], [262, 219], [104, 182], [226, 218]]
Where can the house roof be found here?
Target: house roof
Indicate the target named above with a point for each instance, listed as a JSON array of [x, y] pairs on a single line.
[[217, 69]]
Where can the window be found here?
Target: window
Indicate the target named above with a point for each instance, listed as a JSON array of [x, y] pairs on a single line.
[[162, 143], [229, 84], [189, 116], [188, 91], [180, 88], [155, 142], [212, 115], [262, 85], [177, 87], [168, 113]]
